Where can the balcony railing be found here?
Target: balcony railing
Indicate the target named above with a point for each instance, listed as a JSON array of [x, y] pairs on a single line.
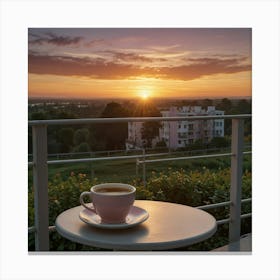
[[40, 169]]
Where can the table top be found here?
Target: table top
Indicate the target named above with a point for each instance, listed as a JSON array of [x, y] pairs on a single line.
[[169, 226]]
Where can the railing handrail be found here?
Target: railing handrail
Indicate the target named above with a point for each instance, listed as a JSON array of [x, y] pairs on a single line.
[[138, 156], [133, 119], [136, 150]]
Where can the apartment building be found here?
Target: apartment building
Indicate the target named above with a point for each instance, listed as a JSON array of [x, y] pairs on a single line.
[[182, 133]]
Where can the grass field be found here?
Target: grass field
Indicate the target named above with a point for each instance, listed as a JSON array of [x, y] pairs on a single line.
[[125, 170]]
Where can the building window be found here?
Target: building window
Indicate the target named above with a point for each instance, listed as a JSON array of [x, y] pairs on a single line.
[[190, 141], [190, 126], [179, 142]]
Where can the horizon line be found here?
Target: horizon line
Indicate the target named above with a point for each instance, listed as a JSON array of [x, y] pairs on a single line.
[[135, 98]]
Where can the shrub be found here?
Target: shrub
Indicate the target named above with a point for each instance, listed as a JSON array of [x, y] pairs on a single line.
[[82, 148], [192, 188], [197, 188], [63, 194]]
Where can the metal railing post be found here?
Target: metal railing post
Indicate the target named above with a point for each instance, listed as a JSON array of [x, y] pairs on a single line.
[[137, 167], [144, 168], [236, 179], [144, 173], [92, 173], [169, 127], [40, 180]]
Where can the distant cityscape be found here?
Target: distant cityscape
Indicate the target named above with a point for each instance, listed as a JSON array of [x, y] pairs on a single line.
[[137, 135]]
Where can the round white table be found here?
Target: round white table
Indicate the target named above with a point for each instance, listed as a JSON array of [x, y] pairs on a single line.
[[169, 226]]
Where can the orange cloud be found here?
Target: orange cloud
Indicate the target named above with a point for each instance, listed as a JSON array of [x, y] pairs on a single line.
[[103, 69]]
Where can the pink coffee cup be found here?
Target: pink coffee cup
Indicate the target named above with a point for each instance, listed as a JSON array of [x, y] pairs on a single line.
[[111, 201]]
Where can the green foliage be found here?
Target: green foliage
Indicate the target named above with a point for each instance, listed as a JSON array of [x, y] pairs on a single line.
[[81, 136], [161, 143], [218, 142], [197, 188], [63, 194], [192, 188], [206, 102], [244, 107], [112, 136], [113, 110], [225, 105], [149, 131], [198, 144], [40, 115], [82, 148], [65, 137]]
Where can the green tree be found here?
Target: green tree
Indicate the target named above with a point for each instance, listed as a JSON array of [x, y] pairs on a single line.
[[93, 141], [149, 131], [113, 135], [161, 144], [82, 148], [81, 136], [40, 115], [218, 142], [197, 145], [225, 105], [206, 102], [244, 107], [65, 137]]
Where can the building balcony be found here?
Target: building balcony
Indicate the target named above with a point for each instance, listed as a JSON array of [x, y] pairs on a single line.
[[40, 164]]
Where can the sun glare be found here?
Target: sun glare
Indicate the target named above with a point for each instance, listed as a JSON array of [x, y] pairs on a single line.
[[144, 94]]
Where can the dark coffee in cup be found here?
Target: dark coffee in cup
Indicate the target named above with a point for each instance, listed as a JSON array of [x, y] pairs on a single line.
[[111, 190]]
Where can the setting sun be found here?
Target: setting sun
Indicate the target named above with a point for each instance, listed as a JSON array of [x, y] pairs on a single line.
[[144, 94], [141, 63]]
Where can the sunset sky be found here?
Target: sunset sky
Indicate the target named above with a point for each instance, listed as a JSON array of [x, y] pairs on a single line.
[[143, 62]]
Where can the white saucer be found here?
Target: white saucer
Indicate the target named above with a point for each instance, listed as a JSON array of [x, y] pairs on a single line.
[[135, 217]]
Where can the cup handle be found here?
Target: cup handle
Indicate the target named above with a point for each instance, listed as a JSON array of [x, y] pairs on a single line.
[[82, 201]]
